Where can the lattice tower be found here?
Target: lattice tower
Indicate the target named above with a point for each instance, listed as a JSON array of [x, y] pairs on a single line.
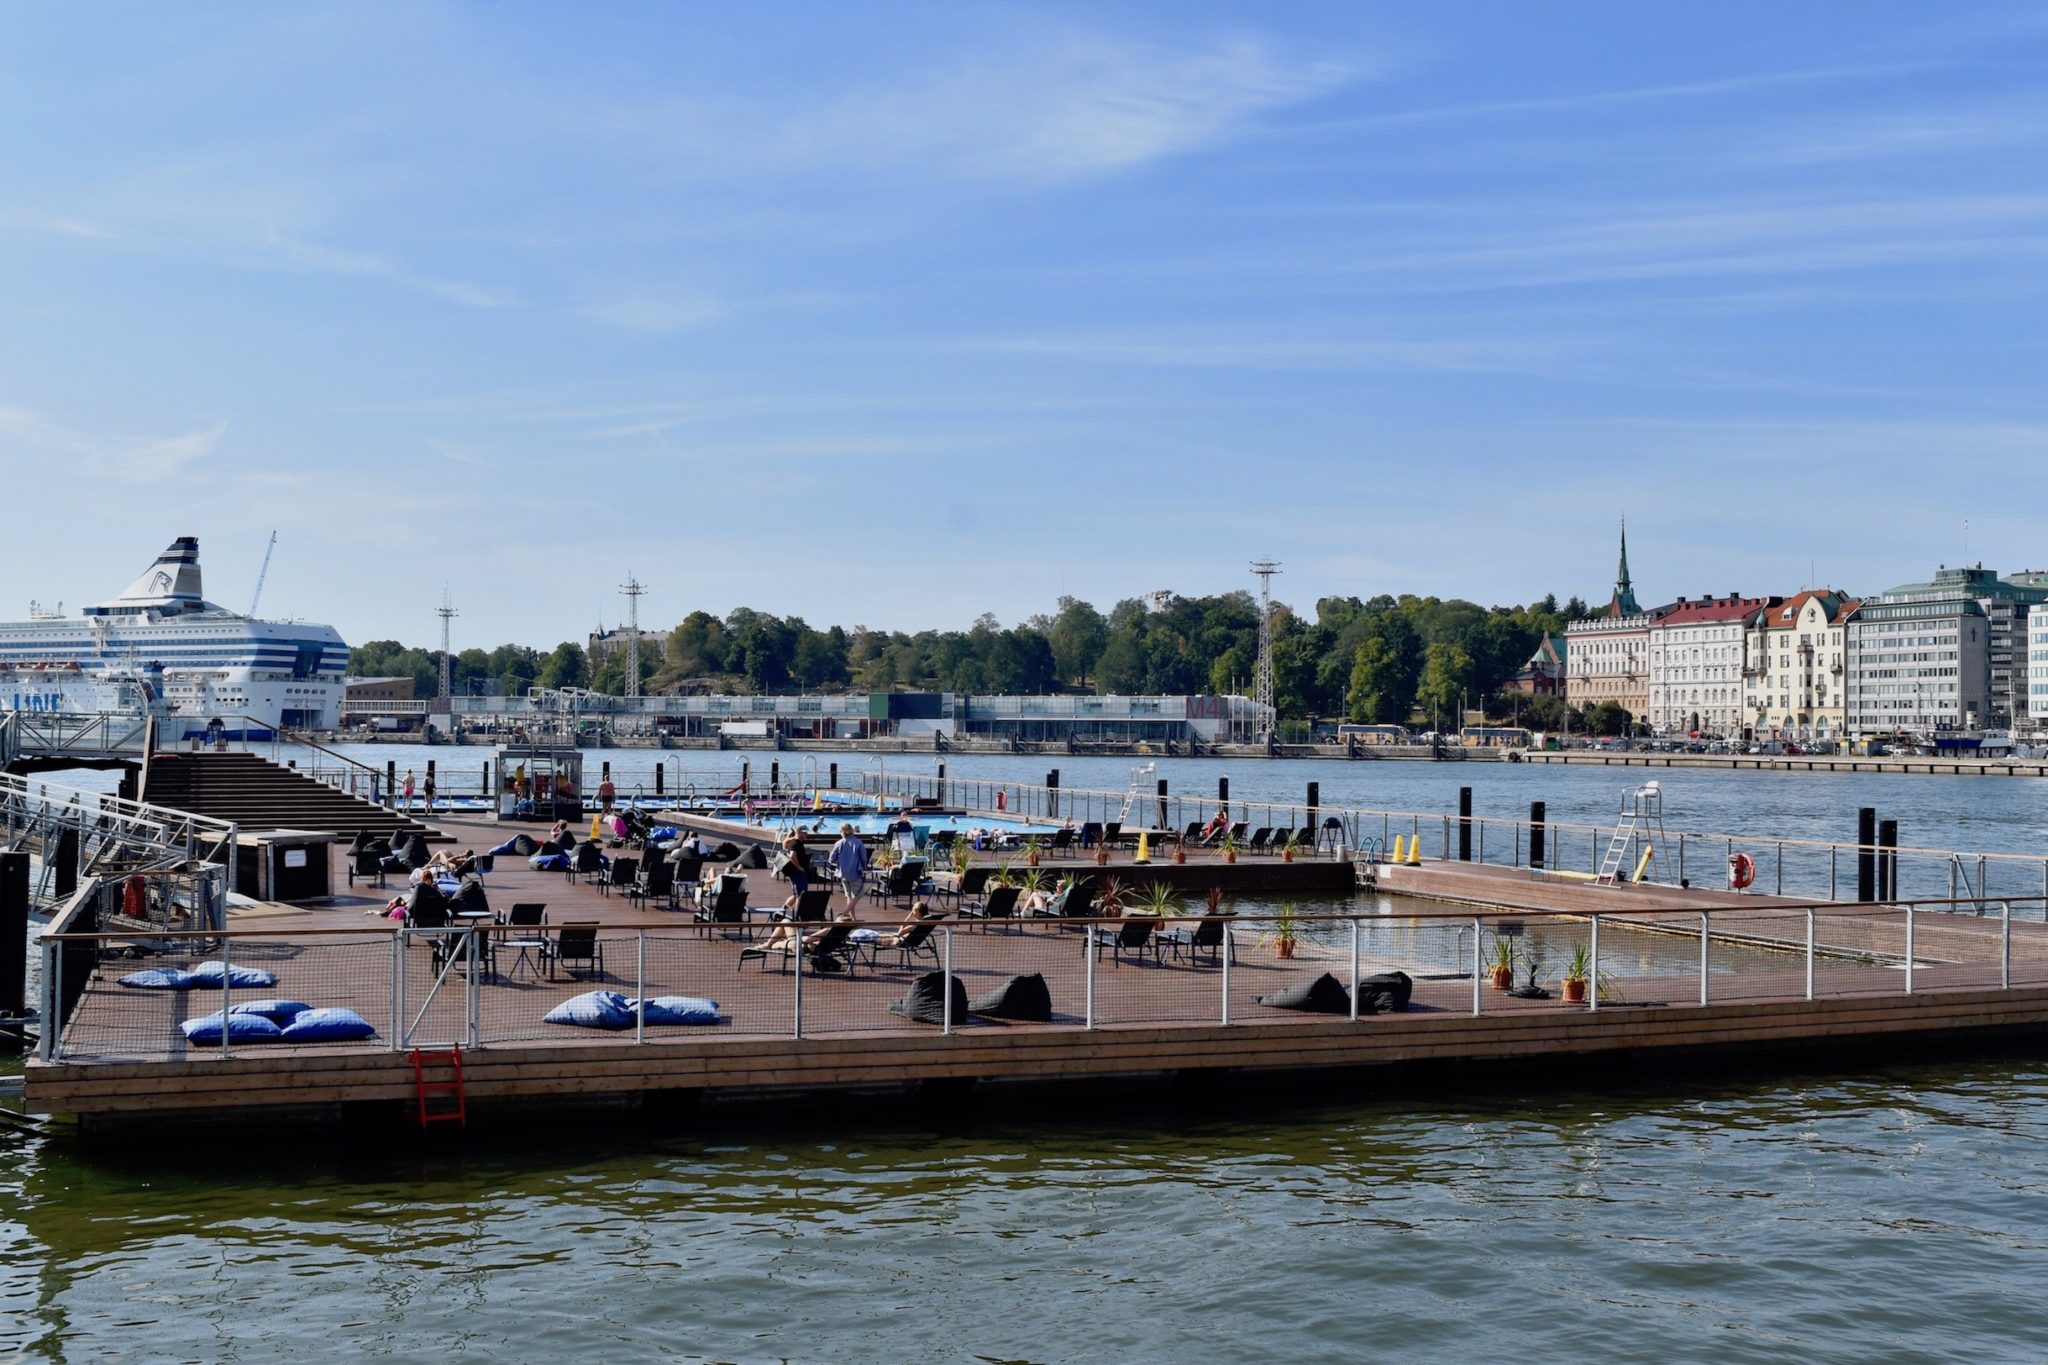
[[633, 589], [446, 611], [1262, 683]]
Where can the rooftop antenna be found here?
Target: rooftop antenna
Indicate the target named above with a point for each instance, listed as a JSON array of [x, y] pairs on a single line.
[[1262, 684], [262, 573], [446, 611], [634, 590]]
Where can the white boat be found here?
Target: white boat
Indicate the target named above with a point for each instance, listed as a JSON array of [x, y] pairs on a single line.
[[216, 671]]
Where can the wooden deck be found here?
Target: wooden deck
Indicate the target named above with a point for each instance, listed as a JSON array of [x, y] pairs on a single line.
[[123, 1054]]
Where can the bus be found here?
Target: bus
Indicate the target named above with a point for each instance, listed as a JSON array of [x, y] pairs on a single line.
[[1373, 734], [1494, 737]]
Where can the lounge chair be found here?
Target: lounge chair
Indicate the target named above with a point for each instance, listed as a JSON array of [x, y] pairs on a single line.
[[1000, 905], [623, 874], [1091, 834], [728, 908], [657, 881], [813, 906], [1206, 937], [1261, 840], [1133, 937], [902, 880], [972, 886], [366, 864], [576, 944], [908, 943], [1062, 841], [586, 861]]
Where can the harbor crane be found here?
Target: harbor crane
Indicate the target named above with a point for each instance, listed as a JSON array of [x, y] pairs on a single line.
[[262, 573]]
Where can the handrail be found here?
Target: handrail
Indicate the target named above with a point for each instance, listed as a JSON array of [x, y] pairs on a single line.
[[299, 737], [101, 803], [1462, 914]]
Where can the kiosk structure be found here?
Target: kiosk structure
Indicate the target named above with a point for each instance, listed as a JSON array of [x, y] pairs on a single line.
[[539, 782]]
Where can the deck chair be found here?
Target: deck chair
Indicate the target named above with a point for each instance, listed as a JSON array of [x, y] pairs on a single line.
[[1000, 905], [587, 860], [727, 908], [909, 943], [366, 864], [1208, 937], [832, 953], [971, 888], [684, 870], [1091, 834], [1112, 832], [1261, 840], [813, 905], [622, 875], [657, 881], [1062, 841], [1237, 831], [902, 880], [576, 946], [1305, 841], [1193, 833], [1133, 939]]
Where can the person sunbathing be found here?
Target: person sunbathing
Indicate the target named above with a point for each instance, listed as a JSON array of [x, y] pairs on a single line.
[[920, 912]]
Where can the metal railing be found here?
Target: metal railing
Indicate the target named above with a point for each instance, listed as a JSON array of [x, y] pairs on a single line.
[[103, 834], [492, 985]]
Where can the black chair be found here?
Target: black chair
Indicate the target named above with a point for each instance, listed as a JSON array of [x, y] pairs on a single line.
[[1062, 841], [684, 871], [1000, 905], [587, 860], [1091, 834], [365, 864], [728, 908], [530, 916], [1112, 832], [902, 880], [1261, 840], [813, 906], [1133, 938], [1208, 937], [623, 874], [576, 944], [910, 943], [972, 886], [657, 881]]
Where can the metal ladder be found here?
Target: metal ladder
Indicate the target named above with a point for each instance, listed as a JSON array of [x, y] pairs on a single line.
[[1642, 815], [1365, 866], [449, 1085]]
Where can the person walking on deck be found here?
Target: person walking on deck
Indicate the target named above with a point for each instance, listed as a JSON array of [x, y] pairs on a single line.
[[850, 858], [408, 789]]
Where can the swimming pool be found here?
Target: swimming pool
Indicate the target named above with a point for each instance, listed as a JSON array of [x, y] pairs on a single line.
[[876, 823]]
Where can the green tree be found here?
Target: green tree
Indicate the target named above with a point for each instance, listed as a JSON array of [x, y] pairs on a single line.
[[565, 667], [1371, 697], [1446, 671], [1078, 636]]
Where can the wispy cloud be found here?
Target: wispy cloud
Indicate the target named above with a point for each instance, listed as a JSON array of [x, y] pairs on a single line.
[[128, 459], [1250, 352]]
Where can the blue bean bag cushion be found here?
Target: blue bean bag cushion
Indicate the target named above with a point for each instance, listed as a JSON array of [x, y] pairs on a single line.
[[592, 1009], [279, 1012], [662, 834], [549, 862], [327, 1024], [676, 1009], [242, 1028], [159, 979], [241, 978]]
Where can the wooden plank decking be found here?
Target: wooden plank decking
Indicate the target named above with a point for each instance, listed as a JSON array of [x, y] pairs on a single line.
[[123, 1053]]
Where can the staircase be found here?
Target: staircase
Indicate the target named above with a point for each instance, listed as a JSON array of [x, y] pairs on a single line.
[[258, 794]]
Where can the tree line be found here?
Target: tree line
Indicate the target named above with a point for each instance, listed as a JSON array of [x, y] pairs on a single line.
[[1383, 659]]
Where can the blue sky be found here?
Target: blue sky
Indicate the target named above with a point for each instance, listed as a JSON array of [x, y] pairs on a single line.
[[894, 314]]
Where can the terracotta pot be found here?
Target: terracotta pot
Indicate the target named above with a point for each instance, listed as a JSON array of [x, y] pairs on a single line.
[[1285, 947], [1286, 855], [1574, 992], [1230, 855], [1503, 978], [1031, 858], [1180, 854], [1102, 856]]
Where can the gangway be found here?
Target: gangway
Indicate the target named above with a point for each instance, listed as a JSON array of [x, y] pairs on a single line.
[[109, 837], [1642, 817]]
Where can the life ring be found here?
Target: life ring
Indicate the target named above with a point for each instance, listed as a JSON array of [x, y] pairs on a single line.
[[1741, 871], [1002, 799]]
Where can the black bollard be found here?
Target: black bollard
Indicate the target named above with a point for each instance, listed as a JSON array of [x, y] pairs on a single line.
[[1536, 814], [1161, 821], [660, 777], [391, 780], [1888, 860], [1866, 854], [1052, 794], [832, 780], [1464, 824], [486, 788], [605, 775], [1223, 790], [774, 775], [14, 937], [1315, 801], [942, 784]]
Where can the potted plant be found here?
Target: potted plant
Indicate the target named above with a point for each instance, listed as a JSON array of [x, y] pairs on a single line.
[[1502, 967], [1157, 898], [1109, 898], [1180, 851], [1289, 845], [1227, 845], [1578, 974], [1101, 852], [963, 857], [1006, 873], [1285, 923], [1031, 851]]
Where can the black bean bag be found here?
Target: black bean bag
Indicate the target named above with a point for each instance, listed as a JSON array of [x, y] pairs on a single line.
[[1384, 992], [926, 1001], [725, 853], [524, 846], [754, 858], [1324, 995], [1021, 997]]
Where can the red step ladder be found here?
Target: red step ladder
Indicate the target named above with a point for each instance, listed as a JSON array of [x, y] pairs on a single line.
[[446, 1085]]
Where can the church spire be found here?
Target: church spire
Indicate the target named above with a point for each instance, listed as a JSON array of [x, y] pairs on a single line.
[[1624, 600]]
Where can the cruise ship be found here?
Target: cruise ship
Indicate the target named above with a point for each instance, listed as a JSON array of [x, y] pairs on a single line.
[[209, 671]]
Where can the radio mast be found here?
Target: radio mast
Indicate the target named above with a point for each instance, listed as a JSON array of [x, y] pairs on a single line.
[[633, 589], [1262, 684], [446, 611]]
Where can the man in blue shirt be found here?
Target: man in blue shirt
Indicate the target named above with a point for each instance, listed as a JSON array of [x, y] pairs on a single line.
[[850, 857]]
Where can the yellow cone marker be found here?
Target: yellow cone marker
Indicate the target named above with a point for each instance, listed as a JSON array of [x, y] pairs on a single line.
[[1144, 853]]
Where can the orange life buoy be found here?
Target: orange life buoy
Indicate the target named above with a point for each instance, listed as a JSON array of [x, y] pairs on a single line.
[[1002, 799], [134, 897], [1741, 871]]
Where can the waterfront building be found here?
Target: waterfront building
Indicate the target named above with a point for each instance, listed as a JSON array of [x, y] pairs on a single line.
[[1608, 656], [1918, 666], [1695, 665], [2037, 671], [2004, 603], [1544, 674], [1795, 667], [602, 643]]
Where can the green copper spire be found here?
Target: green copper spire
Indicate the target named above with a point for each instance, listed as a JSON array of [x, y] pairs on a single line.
[[1624, 603]]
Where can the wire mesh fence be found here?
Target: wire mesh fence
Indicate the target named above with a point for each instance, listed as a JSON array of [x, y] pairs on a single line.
[[501, 983]]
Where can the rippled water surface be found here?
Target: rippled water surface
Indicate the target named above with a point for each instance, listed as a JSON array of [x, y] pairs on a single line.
[[1899, 1215]]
